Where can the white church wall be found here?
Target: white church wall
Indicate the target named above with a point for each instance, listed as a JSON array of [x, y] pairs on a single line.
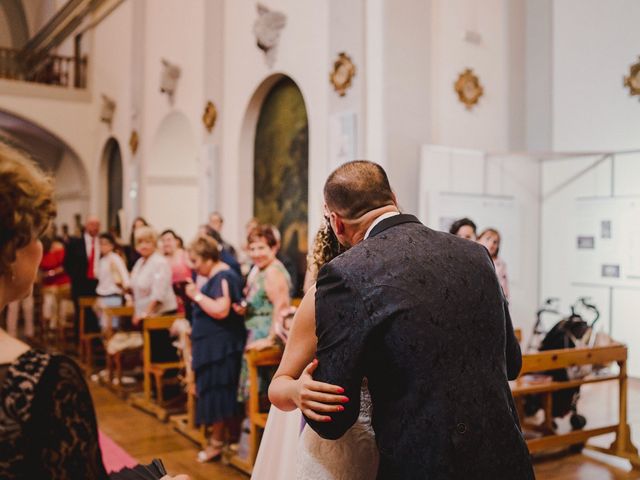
[[408, 101], [484, 127], [591, 108], [174, 31], [110, 57], [427, 45], [303, 55], [592, 111], [487, 178]]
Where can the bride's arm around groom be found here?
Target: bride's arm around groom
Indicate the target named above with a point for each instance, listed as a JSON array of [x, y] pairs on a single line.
[[292, 385]]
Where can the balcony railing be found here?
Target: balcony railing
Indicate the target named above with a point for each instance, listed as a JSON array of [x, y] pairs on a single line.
[[59, 70]]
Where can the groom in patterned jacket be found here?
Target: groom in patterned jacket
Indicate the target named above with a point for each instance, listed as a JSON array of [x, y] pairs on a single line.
[[421, 315]]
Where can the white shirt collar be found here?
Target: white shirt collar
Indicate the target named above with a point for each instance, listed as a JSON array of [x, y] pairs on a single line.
[[382, 217]]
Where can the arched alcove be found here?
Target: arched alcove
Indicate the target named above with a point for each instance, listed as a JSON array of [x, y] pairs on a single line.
[[112, 179], [281, 168], [56, 157], [170, 177], [13, 24]]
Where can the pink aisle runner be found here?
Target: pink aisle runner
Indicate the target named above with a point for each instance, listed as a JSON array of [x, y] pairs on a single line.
[[113, 456]]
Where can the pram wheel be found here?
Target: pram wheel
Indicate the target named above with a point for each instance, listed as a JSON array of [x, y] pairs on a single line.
[[578, 422]]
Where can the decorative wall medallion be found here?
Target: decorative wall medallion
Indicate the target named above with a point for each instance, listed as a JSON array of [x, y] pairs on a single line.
[[134, 140], [343, 71], [468, 88], [267, 30], [633, 80], [209, 116]]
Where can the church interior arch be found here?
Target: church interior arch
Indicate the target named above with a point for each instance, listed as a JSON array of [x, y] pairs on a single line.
[[55, 157]]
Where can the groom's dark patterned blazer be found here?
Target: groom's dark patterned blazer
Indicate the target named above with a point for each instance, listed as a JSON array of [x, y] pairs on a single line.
[[421, 314]]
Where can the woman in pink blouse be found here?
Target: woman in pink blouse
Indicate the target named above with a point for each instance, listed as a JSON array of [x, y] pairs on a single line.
[[490, 238]]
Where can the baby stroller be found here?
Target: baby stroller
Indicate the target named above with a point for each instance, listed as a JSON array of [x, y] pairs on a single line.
[[571, 332]]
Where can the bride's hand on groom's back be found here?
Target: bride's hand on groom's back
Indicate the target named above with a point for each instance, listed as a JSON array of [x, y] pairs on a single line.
[[316, 398]]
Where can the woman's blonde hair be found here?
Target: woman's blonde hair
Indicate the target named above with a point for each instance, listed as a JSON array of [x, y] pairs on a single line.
[[325, 248], [206, 248], [26, 203], [145, 233], [491, 231]]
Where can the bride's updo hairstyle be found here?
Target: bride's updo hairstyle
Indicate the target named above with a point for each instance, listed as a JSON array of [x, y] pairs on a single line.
[[26, 204], [356, 188], [325, 248]]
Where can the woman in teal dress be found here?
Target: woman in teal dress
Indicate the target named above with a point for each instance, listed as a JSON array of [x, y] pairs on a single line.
[[267, 294]]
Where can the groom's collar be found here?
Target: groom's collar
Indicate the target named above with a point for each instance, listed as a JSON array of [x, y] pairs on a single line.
[[382, 217], [392, 222]]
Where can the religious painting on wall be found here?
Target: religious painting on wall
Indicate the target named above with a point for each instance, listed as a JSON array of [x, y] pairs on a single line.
[[281, 173]]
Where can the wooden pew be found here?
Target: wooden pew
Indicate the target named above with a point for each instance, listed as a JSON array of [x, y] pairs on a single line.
[[114, 361], [155, 371], [64, 330], [186, 423], [556, 359], [257, 419], [86, 339]]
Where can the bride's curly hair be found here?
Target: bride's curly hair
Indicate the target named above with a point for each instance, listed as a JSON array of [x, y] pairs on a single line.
[[325, 247]]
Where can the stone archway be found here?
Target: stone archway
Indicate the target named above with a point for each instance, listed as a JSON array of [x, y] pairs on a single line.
[[170, 176], [281, 170], [56, 157], [113, 185]]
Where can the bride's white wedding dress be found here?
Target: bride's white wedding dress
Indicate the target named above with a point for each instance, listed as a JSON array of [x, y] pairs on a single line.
[[353, 456], [285, 454]]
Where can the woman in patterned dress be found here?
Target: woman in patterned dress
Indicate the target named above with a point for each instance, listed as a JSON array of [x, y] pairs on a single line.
[[267, 294]]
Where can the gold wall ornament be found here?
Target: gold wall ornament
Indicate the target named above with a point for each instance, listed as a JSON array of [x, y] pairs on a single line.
[[633, 80], [468, 88], [209, 116], [134, 141], [343, 71]]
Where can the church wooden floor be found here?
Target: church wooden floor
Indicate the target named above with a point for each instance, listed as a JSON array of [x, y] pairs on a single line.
[[144, 438]]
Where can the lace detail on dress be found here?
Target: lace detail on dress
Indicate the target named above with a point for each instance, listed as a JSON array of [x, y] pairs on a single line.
[[72, 450], [366, 406], [47, 423], [16, 395], [354, 456]]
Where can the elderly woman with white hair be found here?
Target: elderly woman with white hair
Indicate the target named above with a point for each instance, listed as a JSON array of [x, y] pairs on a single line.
[[153, 292], [151, 278]]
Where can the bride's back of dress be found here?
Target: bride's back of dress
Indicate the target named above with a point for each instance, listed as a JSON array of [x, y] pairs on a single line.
[[354, 456]]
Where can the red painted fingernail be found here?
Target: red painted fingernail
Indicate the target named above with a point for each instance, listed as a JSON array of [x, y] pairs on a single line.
[[344, 399], [340, 390], [315, 360], [328, 419], [340, 408]]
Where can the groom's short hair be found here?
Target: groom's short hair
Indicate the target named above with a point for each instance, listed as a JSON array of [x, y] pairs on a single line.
[[356, 188]]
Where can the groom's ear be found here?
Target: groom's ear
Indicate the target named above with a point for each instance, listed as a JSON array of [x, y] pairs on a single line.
[[339, 224]]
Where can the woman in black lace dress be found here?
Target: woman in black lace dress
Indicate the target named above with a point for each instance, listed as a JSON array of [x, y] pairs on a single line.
[[47, 422]]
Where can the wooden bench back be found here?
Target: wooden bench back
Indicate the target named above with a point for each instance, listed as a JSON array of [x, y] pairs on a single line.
[[564, 358], [155, 323]]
